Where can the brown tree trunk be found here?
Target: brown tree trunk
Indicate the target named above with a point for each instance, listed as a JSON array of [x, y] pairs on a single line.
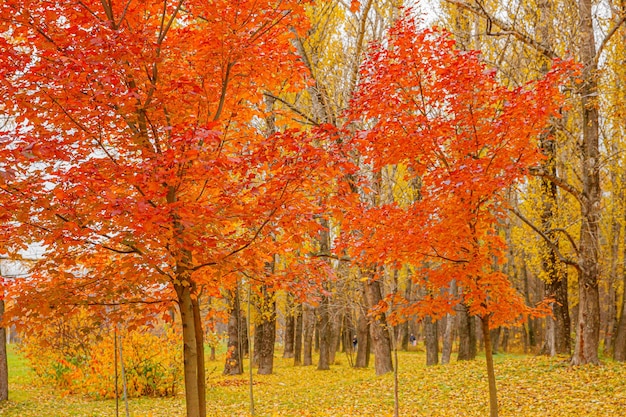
[[190, 346], [234, 357], [297, 351], [381, 340], [336, 319], [197, 317], [431, 340], [491, 376], [266, 332], [362, 337], [308, 324], [324, 329], [619, 348], [448, 336], [467, 335], [4, 369], [290, 328], [588, 326]]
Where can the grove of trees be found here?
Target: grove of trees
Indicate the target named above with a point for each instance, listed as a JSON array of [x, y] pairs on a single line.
[[313, 173]]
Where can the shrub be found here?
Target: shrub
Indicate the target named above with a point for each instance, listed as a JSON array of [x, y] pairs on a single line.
[[77, 355]]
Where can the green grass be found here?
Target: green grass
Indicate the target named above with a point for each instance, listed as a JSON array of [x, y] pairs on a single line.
[[528, 386]]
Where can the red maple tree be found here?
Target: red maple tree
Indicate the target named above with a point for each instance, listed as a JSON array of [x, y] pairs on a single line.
[[461, 139], [138, 155]]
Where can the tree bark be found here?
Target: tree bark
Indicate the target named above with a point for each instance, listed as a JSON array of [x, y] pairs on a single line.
[[619, 349], [491, 376], [431, 336], [323, 324], [588, 327], [362, 337], [290, 328], [4, 369], [448, 336], [190, 346], [467, 335], [197, 317], [297, 351], [234, 357], [266, 332], [381, 340], [308, 324], [336, 319]]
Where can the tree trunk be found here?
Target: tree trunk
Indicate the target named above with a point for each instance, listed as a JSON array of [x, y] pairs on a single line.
[[431, 338], [491, 376], [234, 357], [4, 370], [336, 319], [308, 324], [381, 340], [448, 335], [362, 337], [190, 352], [197, 317], [467, 335], [495, 340], [243, 334], [266, 332], [323, 325], [297, 351], [619, 349], [290, 328], [588, 326]]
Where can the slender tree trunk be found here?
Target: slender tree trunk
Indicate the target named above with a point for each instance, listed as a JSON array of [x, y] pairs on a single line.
[[243, 334], [4, 370], [467, 335], [297, 351], [336, 319], [197, 317], [588, 326], [491, 376], [308, 324], [234, 357], [448, 336], [290, 328], [323, 324], [381, 340], [431, 336], [266, 331], [362, 337], [619, 350], [190, 346]]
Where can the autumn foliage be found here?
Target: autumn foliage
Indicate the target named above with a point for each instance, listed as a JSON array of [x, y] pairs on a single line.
[[459, 140], [145, 154]]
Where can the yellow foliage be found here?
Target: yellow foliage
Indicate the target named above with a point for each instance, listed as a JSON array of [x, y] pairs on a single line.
[[78, 357]]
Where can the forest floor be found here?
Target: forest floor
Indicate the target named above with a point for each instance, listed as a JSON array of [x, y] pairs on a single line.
[[527, 386]]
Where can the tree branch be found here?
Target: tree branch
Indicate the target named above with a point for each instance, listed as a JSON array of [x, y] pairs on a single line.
[[507, 28], [607, 38], [559, 182], [547, 239]]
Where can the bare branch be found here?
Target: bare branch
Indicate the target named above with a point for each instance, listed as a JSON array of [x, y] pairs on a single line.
[[506, 27], [607, 38]]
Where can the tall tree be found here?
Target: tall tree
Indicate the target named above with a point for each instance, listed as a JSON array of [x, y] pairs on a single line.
[[134, 154], [440, 112]]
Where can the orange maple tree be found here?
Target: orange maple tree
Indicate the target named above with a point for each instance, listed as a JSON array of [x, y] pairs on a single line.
[[137, 153], [462, 139]]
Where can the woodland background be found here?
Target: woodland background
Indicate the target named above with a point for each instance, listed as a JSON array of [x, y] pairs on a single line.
[[241, 168]]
